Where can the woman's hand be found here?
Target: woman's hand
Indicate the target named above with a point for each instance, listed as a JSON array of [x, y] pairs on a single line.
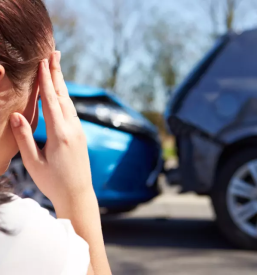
[[61, 170]]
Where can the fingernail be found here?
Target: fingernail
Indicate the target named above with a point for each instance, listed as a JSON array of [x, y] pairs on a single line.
[[58, 56], [15, 120]]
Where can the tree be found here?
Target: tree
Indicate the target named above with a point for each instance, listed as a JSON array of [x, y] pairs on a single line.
[[67, 37], [163, 48], [122, 21], [222, 14], [143, 94], [166, 44]]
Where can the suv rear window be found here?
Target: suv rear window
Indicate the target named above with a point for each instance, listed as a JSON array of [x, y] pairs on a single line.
[[196, 74]]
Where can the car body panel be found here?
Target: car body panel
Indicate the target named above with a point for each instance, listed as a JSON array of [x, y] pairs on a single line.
[[220, 108], [227, 91], [238, 134], [76, 90]]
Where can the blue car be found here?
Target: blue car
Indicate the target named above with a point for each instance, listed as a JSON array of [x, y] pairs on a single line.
[[124, 150]]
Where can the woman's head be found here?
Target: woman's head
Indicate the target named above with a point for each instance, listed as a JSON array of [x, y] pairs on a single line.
[[26, 37]]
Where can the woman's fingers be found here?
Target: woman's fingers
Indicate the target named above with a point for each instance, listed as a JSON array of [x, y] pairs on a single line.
[[22, 131], [60, 87], [57, 76], [51, 107]]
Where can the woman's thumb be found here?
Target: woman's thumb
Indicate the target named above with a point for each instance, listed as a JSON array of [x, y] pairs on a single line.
[[23, 134]]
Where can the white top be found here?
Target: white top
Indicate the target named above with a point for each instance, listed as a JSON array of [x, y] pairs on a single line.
[[39, 244]]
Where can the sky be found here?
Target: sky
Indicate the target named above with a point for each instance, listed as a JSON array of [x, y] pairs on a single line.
[[181, 13]]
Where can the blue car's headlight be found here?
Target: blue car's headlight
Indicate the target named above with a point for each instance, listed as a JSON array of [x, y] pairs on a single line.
[[106, 112]]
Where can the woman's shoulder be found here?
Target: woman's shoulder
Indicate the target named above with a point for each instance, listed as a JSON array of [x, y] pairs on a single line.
[[16, 214], [38, 243]]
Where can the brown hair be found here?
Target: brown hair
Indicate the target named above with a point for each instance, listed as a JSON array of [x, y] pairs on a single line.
[[5, 197], [26, 37]]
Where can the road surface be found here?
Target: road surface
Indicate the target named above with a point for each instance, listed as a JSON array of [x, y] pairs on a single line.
[[173, 235]]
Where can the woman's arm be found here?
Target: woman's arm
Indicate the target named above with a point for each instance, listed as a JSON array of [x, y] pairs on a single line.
[[90, 270], [62, 169]]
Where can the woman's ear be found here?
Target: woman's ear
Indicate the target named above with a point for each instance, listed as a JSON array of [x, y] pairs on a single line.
[[31, 111], [4, 81], [2, 72]]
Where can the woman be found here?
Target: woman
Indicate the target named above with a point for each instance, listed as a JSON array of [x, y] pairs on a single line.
[[31, 241]]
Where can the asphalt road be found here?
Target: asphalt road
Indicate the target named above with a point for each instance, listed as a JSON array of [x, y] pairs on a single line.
[[173, 235]]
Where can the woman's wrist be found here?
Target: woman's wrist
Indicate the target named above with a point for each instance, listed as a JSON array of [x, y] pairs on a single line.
[[66, 206]]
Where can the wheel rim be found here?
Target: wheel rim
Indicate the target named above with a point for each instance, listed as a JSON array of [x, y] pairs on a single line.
[[22, 181], [242, 198]]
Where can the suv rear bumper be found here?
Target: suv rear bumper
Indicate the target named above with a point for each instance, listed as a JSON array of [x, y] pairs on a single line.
[[198, 154]]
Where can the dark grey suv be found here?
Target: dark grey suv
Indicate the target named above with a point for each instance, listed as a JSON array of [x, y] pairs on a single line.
[[213, 116]]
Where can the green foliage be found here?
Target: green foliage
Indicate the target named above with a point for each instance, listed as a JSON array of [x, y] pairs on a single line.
[[167, 141], [168, 151]]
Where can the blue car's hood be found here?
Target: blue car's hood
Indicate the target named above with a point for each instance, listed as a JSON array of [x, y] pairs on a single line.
[[77, 90], [84, 91]]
